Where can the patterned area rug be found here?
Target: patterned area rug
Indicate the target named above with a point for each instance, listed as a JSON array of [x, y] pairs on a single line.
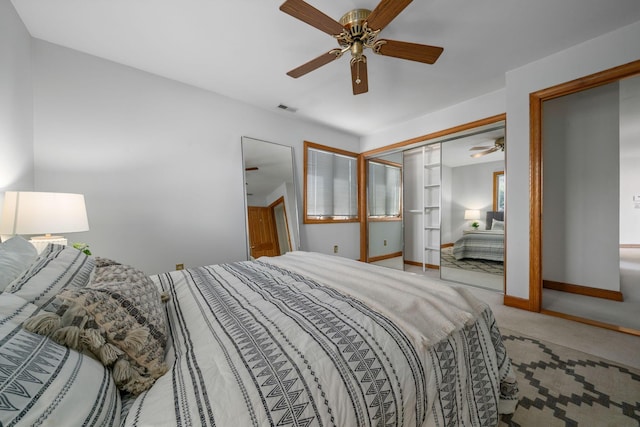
[[448, 260], [564, 387]]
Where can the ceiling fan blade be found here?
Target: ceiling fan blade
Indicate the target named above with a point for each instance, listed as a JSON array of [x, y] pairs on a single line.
[[359, 78], [385, 12], [484, 153], [312, 16], [480, 148], [411, 51], [313, 64]]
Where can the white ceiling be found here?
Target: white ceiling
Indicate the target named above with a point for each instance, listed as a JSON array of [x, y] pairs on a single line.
[[243, 48]]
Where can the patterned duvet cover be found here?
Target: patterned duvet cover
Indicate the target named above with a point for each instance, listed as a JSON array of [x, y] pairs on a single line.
[[313, 340]]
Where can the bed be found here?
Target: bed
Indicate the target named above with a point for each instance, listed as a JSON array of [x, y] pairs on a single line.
[[302, 339], [485, 244]]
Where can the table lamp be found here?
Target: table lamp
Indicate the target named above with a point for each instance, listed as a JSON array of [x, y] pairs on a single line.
[[30, 212], [472, 215]]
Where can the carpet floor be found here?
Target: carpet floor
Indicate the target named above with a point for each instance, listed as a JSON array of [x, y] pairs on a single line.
[[564, 387], [448, 260]]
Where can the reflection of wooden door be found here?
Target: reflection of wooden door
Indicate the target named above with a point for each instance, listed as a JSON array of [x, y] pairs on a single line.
[[263, 238]]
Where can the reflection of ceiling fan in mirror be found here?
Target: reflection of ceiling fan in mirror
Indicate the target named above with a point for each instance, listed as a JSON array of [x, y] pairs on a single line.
[[498, 145], [357, 30]]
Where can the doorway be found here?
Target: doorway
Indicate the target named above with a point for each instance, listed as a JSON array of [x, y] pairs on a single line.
[[579, 202], [263, 237]]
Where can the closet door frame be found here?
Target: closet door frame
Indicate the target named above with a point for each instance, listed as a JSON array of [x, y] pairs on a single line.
[[402, 146]]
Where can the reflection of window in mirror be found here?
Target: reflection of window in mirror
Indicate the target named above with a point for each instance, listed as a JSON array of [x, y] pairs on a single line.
[[498, 191], [330, 184], [385, 190]]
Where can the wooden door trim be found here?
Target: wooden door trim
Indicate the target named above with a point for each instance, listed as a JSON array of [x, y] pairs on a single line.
[[272, 206], [536, 163]]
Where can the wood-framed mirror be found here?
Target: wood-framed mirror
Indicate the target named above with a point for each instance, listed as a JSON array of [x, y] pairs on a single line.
[[270, 198]]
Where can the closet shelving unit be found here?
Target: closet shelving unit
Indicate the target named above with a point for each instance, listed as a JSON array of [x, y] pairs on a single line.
[[431, 179], [426, 195]]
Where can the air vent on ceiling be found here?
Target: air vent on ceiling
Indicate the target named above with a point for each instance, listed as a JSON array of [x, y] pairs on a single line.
[[287, 108]]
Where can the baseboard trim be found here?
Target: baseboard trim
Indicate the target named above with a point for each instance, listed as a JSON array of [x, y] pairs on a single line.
[[516, 302], [583, 290], [630, 246], [383, 257], [591, 322], [419, 264]]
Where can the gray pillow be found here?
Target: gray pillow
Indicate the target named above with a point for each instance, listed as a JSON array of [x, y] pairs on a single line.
[[119, 318]]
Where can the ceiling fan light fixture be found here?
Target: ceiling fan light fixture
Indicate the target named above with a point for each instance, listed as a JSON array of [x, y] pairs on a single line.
[[354, 21]]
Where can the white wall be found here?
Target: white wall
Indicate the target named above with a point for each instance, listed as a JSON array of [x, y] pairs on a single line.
[[16, 103], [610, 50], [159, 162], [446, 200], [484, 106], [581, 189], [381, 231]]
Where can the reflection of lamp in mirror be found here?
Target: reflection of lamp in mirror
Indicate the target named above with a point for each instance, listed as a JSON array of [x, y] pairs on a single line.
[[472, 215], [27, 212]]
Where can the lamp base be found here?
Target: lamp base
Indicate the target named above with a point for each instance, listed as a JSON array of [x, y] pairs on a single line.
[[41, 242]]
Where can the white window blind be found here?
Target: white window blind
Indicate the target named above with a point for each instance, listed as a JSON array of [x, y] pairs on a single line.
[[384, 190], [332, 191]]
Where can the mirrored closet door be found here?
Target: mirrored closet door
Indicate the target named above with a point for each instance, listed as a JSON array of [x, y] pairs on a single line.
[[452, 207], [473, 202], [384, 210]]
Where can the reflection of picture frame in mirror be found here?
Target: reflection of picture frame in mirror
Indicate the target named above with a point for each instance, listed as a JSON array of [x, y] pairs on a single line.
[[498, 191]]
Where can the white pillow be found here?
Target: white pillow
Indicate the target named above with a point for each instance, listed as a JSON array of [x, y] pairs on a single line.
[[56, 268], [16, 255], [497, 225], [44, 383]]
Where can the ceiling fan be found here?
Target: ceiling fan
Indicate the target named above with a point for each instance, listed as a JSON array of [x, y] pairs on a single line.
[[498, 145], [358, 30]]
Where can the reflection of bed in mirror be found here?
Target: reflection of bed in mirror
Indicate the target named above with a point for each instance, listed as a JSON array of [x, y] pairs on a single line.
[[485, 244]]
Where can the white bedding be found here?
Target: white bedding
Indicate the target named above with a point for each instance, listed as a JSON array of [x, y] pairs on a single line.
[[309, 339]]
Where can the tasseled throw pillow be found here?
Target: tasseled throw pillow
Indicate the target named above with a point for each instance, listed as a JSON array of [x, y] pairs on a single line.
[[121, 323]]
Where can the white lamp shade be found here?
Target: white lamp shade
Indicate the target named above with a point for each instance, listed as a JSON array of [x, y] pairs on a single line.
[[29, 212], [471, 214]]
